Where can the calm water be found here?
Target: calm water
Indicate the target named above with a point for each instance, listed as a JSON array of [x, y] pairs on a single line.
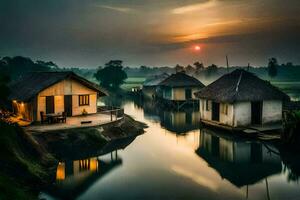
[[174, 159]]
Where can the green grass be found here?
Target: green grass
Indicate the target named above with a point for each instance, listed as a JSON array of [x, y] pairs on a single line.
[[10, 189], [132, 82], [21, 168]]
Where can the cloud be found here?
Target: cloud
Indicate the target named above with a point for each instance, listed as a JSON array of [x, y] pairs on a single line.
[[194, 7], [116, 8]]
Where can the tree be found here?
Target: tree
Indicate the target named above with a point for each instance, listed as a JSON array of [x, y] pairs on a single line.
[[289, 64], [212, 69], [272, 67], [179, 68], [112, 75], [4, 91], [47, 64], [199, 67], [190, 69], [18, 66], [145, 69]]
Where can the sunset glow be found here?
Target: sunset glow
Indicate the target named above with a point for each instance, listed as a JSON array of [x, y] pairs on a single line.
[[197, 48], [152, 32]]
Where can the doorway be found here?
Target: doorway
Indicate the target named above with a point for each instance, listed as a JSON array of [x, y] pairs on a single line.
[[49, 104], [215, 115], [188, 93], [68, 105], [256, 112]]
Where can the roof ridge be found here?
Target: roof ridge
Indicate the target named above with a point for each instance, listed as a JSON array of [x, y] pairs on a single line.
[[239, 81]]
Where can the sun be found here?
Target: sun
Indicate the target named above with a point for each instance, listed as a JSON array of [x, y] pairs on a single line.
[[197, 48]]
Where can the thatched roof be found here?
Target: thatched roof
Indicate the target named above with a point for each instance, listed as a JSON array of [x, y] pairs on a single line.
[[181, 79], [30, 85], [241, 85], [155, 80]]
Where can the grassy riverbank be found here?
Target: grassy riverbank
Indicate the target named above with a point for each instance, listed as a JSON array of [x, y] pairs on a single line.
[[25, 166], [28, 161]]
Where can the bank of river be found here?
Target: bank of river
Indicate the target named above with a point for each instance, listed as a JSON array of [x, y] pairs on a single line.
[[175, 159], [29, 159]]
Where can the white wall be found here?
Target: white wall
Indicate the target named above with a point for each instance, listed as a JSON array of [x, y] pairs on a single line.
[[226, 119], [178, 93], [242, 113], [272, 112], [206, 115]]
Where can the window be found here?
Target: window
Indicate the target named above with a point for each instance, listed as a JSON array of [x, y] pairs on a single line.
[[168, 93], [84, 100]]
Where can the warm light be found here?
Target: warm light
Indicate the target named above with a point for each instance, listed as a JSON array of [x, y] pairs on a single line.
[[93, 164], [60, 172], [22, 104], [14, 101], [197, 48]]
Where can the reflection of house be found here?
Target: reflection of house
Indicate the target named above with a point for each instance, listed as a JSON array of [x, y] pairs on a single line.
[[69, 168], [150, 86], [75, 177], [240, 162], [54, 92], [240, 99], [151, 111], [180, 121], [180, 87]]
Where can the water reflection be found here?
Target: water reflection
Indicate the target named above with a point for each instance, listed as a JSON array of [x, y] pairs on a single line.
[[180, 122], [239, 161], [162, 164], [74, 177], [176, 121]]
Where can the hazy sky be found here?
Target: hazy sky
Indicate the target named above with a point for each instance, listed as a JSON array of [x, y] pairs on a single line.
[[151, 32]]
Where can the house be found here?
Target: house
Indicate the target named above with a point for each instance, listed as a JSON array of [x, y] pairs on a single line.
[[240, 99], [53, 92], [150, 86], [240, 161], [180, 87]]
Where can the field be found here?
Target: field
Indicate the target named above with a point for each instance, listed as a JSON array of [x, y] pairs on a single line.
[[292, 88], [133, 82]]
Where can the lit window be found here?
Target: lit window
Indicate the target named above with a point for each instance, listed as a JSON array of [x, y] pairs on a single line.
[[84, 100]]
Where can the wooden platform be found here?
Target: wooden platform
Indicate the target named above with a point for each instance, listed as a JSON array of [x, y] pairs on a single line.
[[266, 132], [97, 119]]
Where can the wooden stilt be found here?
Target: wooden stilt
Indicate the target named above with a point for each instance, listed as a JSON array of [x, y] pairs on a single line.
[[267, 187]]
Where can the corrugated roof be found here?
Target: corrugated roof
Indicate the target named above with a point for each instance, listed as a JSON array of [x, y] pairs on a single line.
[[181, 79], [241, 85], [30, 85], [155, 80]]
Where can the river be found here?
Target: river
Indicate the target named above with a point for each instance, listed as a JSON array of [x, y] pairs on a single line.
[[175, 159]]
